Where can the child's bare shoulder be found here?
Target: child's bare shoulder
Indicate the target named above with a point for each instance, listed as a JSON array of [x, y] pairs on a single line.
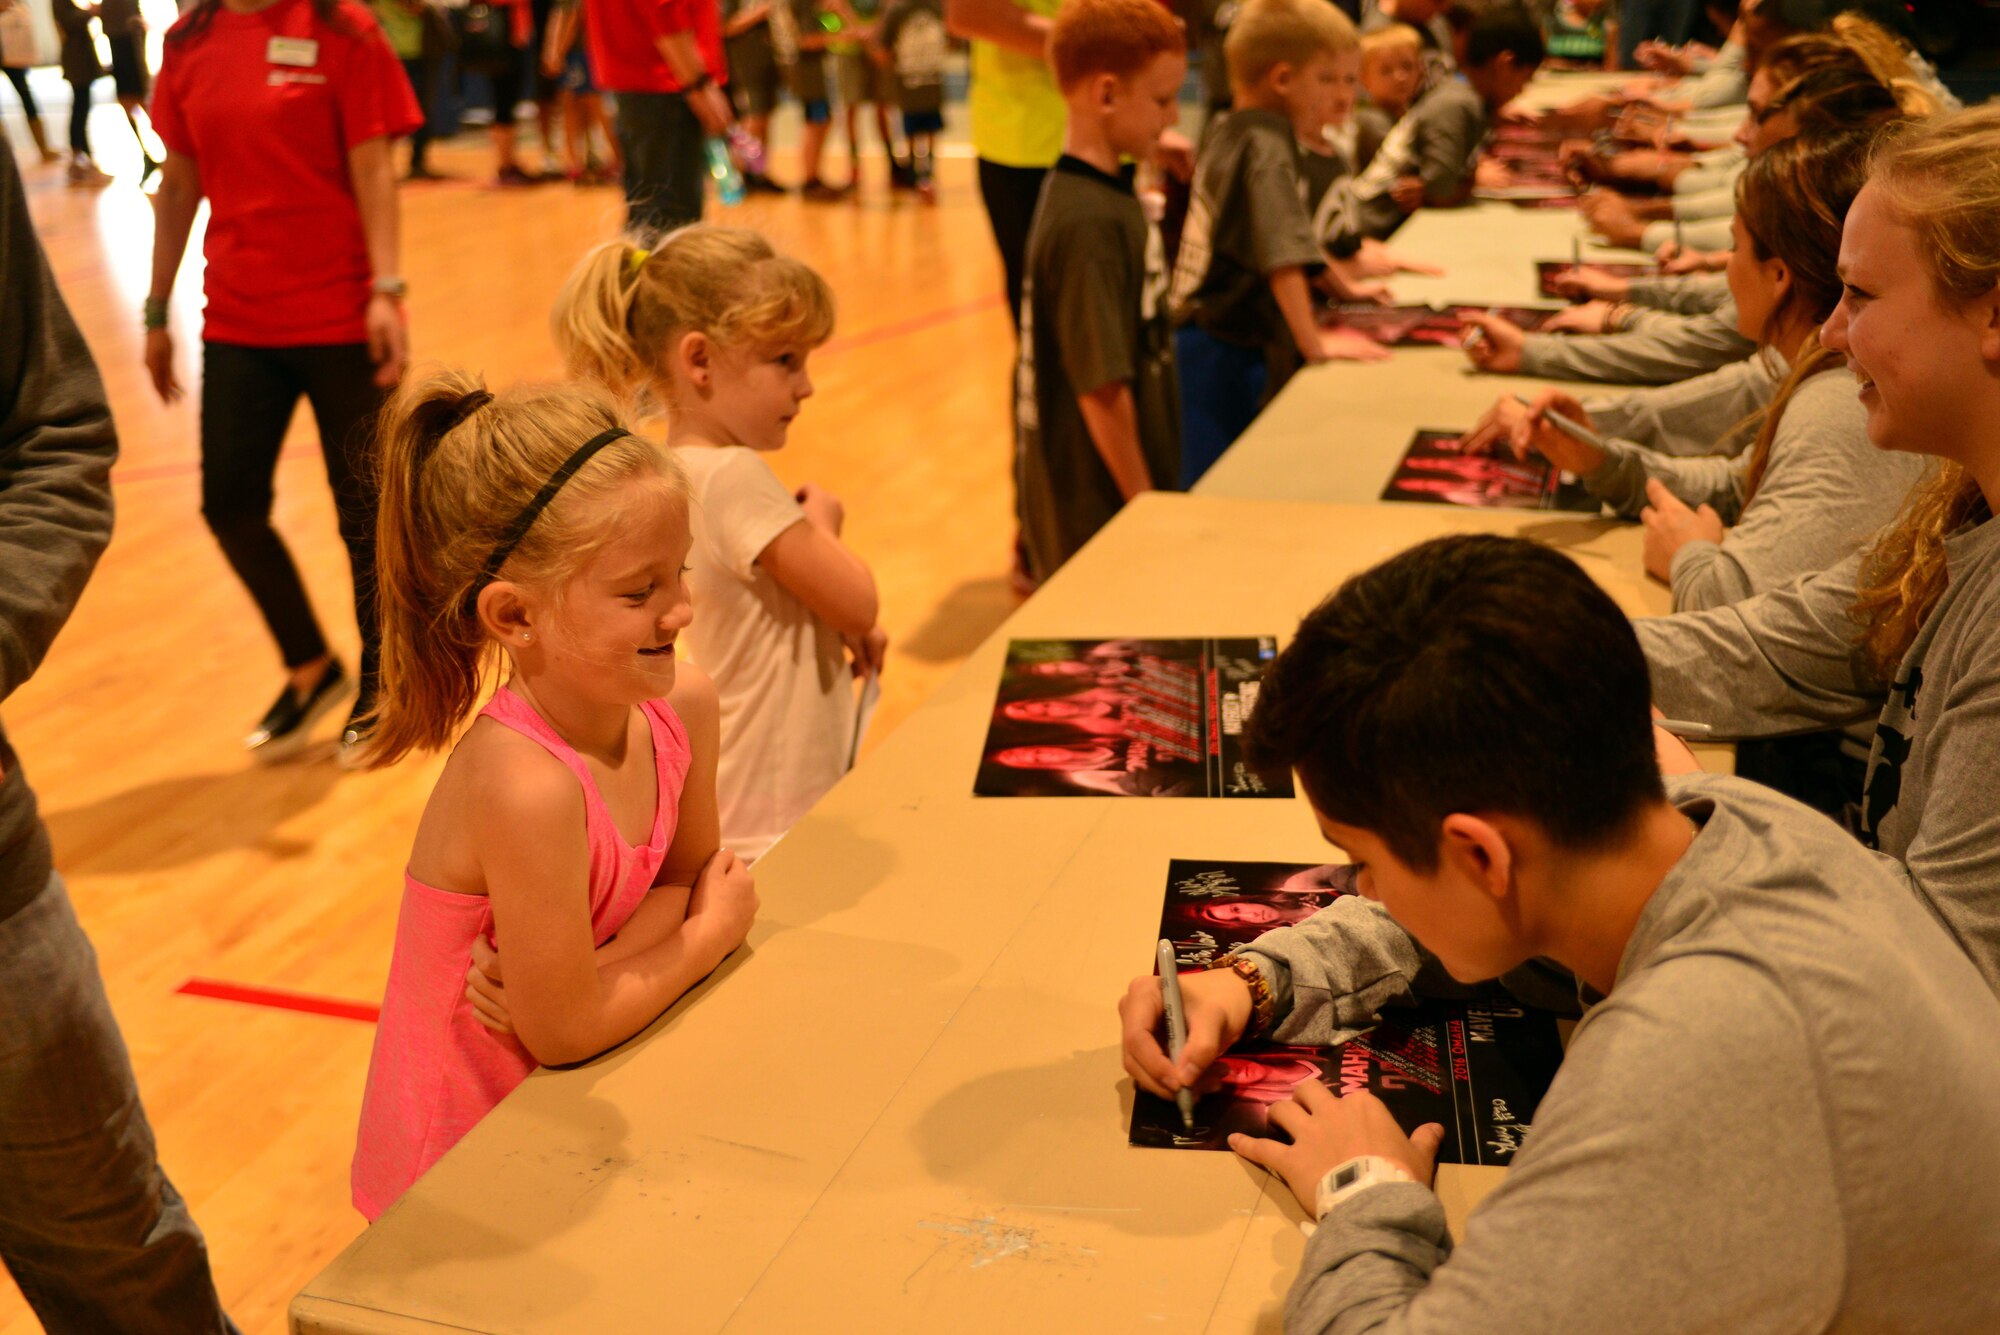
[[507, 776], [694, 700]]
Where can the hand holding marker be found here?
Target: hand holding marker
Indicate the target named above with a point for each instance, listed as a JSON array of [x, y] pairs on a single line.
[[1170, 997]]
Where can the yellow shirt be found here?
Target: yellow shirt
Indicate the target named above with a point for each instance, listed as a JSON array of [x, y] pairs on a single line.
[[1017, 114]]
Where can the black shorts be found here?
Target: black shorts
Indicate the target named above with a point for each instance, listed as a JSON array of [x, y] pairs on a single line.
[[754, 76], [128, 66], [542, 85]]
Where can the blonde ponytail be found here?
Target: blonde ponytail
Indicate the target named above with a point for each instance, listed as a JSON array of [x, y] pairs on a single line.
[[628, 303], [457, 465], [593, 319]]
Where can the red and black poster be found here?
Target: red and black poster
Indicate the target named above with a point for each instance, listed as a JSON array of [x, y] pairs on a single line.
[[1425, 326], [1126, 718], [1479, 1067], [1547, 270], [1435, 471]]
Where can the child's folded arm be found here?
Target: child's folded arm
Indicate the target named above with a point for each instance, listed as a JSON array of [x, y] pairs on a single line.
[[824, 573]]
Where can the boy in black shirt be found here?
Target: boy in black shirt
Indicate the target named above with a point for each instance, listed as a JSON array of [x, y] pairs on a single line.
[[1097, 401], [1241, 293]]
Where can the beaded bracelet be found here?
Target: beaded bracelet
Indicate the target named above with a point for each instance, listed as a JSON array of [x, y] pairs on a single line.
[[1263, 1006]]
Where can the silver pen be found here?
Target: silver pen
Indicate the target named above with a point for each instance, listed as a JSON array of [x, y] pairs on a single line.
[[1170, 994], [1575, 430], [1684, 728]]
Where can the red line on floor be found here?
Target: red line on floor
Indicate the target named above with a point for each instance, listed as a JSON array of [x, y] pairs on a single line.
[[277, 999], [915, 324]]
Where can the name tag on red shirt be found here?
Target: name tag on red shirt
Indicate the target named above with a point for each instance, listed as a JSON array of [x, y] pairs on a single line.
[[298, 52]]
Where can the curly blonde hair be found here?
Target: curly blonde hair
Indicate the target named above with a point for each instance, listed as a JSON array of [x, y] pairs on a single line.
[[1941, 178]]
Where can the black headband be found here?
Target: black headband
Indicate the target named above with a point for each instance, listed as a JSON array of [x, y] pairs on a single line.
[[529, 513]]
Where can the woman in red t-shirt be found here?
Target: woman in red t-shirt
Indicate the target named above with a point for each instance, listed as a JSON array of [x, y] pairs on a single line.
[[281, 113]]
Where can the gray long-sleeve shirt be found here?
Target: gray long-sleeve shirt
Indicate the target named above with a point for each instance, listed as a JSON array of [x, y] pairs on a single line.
[[1784, 1117], [1712, 168], [1786, 661], [1660, 350], [1723, 83], [1711, 233], [1682, 294], [1825, 491], [56, 450]]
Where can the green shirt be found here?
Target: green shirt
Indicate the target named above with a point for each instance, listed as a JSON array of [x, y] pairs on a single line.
[[404, 29], [1017, 114]]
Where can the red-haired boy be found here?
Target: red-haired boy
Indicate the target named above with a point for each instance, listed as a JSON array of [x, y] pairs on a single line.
[[1097, 400]]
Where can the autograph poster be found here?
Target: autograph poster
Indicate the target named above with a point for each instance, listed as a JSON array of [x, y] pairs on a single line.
[[1479, 1068], [1546, 271], [1435, 471], [1426, 326], [1126, 718]]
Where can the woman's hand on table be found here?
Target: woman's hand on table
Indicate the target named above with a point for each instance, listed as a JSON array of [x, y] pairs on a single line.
[[1494, 343], [1670, 526], [1521, 429], [1592, 317]]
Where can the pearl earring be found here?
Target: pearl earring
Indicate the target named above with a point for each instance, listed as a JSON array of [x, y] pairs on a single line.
[[525, 637]]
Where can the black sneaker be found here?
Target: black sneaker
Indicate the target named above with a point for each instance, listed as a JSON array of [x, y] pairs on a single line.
[[286, 723], [759, 184], [354, 737], [902, 174]]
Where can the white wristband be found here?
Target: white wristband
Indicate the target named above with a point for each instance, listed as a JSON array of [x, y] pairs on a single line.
[[1354, 1177]]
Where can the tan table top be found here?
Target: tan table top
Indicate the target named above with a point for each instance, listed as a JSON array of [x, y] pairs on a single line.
[[1488, 251], [1337, 431], [903, 1108]]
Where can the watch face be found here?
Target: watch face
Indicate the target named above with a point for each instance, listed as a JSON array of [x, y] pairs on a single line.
[[1346, 1175]]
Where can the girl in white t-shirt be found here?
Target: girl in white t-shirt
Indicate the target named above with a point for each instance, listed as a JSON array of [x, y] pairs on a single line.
[[717, 326]]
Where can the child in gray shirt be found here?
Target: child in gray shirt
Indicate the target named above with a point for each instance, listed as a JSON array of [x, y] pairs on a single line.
[[1429, 157]]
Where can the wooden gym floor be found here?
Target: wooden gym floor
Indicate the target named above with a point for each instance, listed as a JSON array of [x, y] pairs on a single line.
[[189, 862]]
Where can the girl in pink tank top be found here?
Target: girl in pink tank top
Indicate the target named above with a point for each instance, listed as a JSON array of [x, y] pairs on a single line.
[[566, 884]]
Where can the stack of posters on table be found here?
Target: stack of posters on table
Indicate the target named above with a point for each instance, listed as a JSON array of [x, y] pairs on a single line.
[[1435, 471], [1126, 718], [1546, 272], [1478, 1067], [1425, 326]]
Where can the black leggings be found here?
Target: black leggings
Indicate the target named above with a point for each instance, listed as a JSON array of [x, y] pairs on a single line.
[[19, 78], [247, 399], [79, 119], [1010, 195]]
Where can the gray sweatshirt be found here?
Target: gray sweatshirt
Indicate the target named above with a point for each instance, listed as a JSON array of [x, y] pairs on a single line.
[[1785, 662], [1724, 83], [1784, 1117], [56, 450], [1657, 350], [1710, 233], [1714, 168], [1825, 490], [1682, 294]]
